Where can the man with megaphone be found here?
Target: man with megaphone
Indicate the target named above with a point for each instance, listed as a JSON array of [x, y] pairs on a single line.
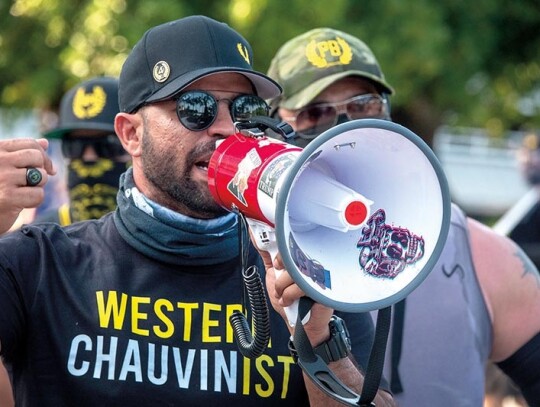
[[481, 301], [133, 308]]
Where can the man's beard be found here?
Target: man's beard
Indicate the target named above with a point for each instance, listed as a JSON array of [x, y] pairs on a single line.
[[179, 187]]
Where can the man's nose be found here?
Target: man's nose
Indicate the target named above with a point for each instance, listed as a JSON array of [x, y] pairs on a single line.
[[341, 108], [89, 154]]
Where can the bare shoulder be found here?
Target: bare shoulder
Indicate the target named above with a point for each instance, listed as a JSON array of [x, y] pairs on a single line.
[[510, 284]]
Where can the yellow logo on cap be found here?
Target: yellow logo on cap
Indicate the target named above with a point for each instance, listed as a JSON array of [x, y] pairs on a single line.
[[242, 49], [161, 71], [324, 54], [91, 104]]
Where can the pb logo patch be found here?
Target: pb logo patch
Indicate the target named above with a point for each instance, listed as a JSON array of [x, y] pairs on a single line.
[[87, 105], [323, 54]]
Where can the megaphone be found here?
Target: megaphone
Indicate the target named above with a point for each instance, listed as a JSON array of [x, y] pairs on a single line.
[[360, 215]]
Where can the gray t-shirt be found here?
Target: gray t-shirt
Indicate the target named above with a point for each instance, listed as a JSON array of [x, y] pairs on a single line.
[[446, 332]]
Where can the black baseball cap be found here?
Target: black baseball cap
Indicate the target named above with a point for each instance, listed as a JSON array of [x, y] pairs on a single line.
[[173, 55], [90, 105]]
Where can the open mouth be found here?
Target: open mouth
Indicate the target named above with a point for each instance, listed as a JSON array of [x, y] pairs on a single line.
[[203, 165], [202, 159]]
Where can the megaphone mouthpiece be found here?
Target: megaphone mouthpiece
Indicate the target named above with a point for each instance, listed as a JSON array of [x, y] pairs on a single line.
[[318, 199]]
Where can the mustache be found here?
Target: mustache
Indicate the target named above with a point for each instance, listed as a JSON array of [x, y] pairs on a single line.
[[201, 151]]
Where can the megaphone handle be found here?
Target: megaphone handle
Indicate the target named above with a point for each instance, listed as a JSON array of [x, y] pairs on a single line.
[[265, 239]]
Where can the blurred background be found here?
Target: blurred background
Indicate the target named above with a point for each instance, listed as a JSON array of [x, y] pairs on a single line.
[[466, 75]]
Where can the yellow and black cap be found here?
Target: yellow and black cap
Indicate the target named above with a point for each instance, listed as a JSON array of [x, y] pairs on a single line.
[[90, 105], [173, 55]]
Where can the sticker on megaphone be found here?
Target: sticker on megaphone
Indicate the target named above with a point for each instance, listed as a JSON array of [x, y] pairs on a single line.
[[246, 173]]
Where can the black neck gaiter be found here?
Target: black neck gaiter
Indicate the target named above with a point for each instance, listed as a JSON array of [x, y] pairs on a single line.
[[176, 239]]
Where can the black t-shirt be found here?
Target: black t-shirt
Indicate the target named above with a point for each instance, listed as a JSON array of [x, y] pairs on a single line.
[[87, 320]]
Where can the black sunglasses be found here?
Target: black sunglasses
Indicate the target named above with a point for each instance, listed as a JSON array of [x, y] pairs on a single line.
[[197, 110], [313, 119], [108, 146]]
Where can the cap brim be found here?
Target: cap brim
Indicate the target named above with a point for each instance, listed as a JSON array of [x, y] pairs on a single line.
[[60, 132], [305, 96], [266, 87]]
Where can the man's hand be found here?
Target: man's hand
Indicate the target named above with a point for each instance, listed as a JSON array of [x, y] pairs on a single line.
[[283, 292], [16, 155]]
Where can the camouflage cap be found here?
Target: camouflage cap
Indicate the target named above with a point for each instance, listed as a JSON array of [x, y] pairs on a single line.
[[307, 64]]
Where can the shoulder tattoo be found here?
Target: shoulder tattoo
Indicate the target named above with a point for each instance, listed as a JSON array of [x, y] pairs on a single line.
[[528, 266]]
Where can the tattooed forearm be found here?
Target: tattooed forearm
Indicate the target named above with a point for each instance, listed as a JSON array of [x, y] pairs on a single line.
[[528, 266]]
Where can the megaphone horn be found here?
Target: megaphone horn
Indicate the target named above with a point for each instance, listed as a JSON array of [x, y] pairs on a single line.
[[360, 216]]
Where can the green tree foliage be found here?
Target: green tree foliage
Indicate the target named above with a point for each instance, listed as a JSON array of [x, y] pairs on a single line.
[[453, 62]]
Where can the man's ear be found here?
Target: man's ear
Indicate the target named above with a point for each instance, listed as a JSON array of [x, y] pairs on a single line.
[[129, 129]]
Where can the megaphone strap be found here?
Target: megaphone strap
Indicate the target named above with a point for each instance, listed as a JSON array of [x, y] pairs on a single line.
[[300, 340], [397, 341], [314, 366], [374, 369], [282, 128]]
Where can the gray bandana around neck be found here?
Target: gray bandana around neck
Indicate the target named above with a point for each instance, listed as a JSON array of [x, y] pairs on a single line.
[[179, 240]]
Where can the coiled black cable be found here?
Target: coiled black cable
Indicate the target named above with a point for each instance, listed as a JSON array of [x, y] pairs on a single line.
[[251, 346]]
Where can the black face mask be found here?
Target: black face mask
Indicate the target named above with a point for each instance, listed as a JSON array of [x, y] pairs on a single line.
[[92, 187], [342, 118]]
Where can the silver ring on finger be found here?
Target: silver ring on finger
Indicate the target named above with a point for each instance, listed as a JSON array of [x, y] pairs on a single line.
[[33, 176]]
